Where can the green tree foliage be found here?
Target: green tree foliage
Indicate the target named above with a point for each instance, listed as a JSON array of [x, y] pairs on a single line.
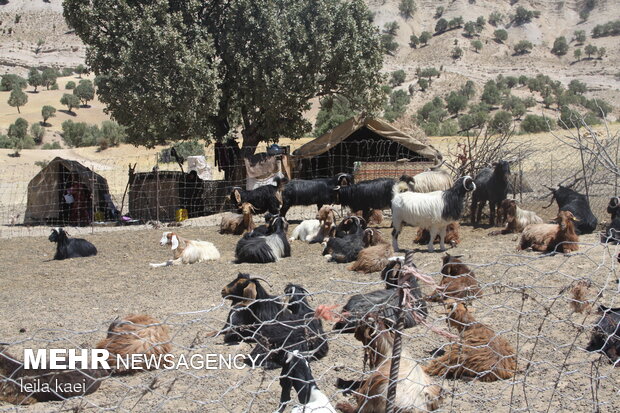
[[186, 148], [515, 106], [491, 94], [397, 105], [522, 47], [474, 119], [48, 77], [455, 23], [391, 28], [79, 134], [334, 111], [397, 78], [441, 25], [425, 37], [10, 82], [577, 54], [439, 12], [448, 128], [456, 53], [500, 35], [579, 36], [67, 71], [477, 45], [37, 133], [501, 122], [601, 52], [388, 44], [523, 16], [529, 102], [18, 136], [570, 118], [512, 81], [577, 87], [468, 89], [599, 107], [80, 69], [523, 80], [34, 78], [429, 73], [424, 84], [535, 124], [611, 28], [414, 41], [53, 145], [560, 46], [70, 101], [47, 112], [432, 111], [177, 70], [113, 133], [70, 85], [85, 91], [17, 98], [407, 8], [584, 15], [496, 18], [590, 50], [469, 29], [456, 103]]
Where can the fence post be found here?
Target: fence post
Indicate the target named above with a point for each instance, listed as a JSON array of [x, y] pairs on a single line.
[[157, 189], [92, 202]]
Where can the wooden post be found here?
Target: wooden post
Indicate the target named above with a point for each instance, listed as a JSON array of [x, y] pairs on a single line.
[[157, 190]]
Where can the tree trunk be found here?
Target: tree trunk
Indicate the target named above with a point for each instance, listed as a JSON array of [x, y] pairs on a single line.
[[18, 111]]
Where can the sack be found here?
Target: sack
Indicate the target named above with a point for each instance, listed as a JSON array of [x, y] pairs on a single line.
[[69, 198]]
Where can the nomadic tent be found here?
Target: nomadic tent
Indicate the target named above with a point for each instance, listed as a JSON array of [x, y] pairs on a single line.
[[47, 200], [363, 142]]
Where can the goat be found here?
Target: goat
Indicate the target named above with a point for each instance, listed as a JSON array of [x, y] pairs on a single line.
[[270, 247], [423, 235], [375, 216], [374, 256], [414, 393], [457, 282], [549, 237], [316, 230], [366, 195], [605, 337], [306, 231], [348, 242], [136, 334], [70, 247], [318, 191], [479, 353], [579, 296], [186, 251], [612, 234], [516, 219], [428, 181], [22, 386], [570, 200], [433, 210], [267, 198], [238, 224], [492, 186]]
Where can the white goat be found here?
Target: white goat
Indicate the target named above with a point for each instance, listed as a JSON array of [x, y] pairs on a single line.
[[433, 211], [429, 181], [187, 251], [307, 230]]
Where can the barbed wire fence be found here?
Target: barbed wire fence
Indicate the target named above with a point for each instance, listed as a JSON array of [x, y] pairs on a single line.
[[527, 301]]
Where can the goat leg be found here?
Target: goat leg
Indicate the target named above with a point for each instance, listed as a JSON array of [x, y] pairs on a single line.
[[346, 408], [285, 395], [348, 385]]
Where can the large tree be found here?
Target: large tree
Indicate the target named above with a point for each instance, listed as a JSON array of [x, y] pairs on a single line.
[[181, 69]]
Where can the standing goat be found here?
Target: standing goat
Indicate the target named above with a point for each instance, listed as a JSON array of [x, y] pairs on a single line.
[[266, 198], [238, 224], [549, 237], [318, 191], [136, 334], [492, 186], [428, 181], [269, 247], [414, 393], [434, 210], [366, 195], [186, 251], [70, 247], [457, 281], [479, 353], [612, 234], [374, 256], [516, 219], [606, 334], [578, 205]]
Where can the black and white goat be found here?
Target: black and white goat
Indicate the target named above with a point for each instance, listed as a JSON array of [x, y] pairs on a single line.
[[571, 200], [612, 234], [366, 195], [263, 248], [318, 191], [70, 247], [491, 186], [347, 242], [433, 210], [266, 198]]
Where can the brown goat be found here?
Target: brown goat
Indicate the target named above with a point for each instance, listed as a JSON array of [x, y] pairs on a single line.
[[374, 217], [136, 334], [458, 281], [327, 218], [580, 292], [548, 237], [480, 352], [452, 235], [374, 256], [238, 224], [414, 392], [27, 386], [516, 219]]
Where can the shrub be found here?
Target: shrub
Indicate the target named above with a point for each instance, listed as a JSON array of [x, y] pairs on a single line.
[[391, 28], [535, 124], [70, 85], [79, 134], [53, 145], [37, 133], [10, 82], [524, 46], [425, 37], [455, 103], [491, 94], [414, 41], [611, 28], [407, 8], [560, 46], [501, 122], [577, 87], [397, 78], [477, 45], [449, 128], [529, 102], [397, 105], [599, 107], [455, 23], [439, 12], [54, 86], [468, 90], [5, 142], [67, 71], [472, 120], [523, 16], [441, 25], [430, 128], [570, 118], [432, 111], [469, 29], [577, 54], [496, 18], [423, 83], [186, 148], [500, 35], [42, 164], [388, 43], [579, 36], [456, 53]]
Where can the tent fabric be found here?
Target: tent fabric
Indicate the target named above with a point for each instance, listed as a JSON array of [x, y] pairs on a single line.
[[344, 130]]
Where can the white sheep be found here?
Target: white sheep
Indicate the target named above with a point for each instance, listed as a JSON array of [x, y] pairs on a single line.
[[187, 251]]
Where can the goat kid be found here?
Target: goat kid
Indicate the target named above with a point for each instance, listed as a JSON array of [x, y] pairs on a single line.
[[453, 238], [374, 256], [516, 219], [186, 251], [316, 230], [264, 248], [237, 224], [457, 282], [551, 237], [70, 247]]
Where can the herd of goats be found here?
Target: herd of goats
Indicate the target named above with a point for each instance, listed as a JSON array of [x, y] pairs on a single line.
[[288, 333]]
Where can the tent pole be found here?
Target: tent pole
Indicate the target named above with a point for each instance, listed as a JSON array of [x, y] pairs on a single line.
[[92, 200]]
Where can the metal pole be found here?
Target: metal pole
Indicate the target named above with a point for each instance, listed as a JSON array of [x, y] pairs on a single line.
[[157, 192], [92, 201]]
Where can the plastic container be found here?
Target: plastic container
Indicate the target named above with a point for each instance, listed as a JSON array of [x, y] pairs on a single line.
[[181, 214]]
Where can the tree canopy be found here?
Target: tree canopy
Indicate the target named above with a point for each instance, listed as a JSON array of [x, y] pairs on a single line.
[[183, 69]]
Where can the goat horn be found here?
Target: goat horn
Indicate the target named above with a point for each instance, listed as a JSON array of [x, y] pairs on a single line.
[[262, 279]]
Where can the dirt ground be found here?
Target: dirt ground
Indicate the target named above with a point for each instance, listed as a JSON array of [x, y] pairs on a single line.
[[68, 304]]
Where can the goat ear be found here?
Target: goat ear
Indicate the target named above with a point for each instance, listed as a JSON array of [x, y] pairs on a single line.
[[175, 242], [249, 291], [237, 196]]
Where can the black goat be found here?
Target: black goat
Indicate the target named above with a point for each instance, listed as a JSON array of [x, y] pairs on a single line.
[[606, 334], [573, 201], [491, 186], [70, 247], [259, 247], [318, 191], [384, 302], [612, 234], [348, 240], [266, 198], [63, 384], [366, 195]]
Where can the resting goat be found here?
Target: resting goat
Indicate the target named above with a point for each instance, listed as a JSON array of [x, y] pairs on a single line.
[[346, 247], [516, 219], [366, 195], [316, 230], [318, 191], [551, 237], [606, 334], [374, 256], [479, 353], [16, 382], [269, 247], [577, 204], [414, 392], [457, 281], [612, 234], [70, 247], [434, 210], [238, 224], [423, 235], [491, 186], [136, 334], [186, 251], [267, 198]]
